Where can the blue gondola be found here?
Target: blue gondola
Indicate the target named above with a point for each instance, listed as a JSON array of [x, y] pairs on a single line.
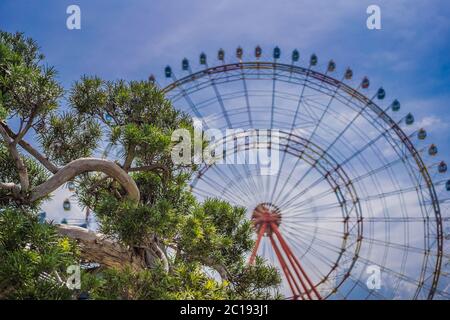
[[331, 66], [71, 186], [64, 221], [442, 168], [258, 52], [185, 64], [409, 119], [313, 60], [202, 58], [221, 55], [395, 105], [66, 205], [422, 134], [83, 296], [432, 150], [108, 118], [42, 217], [381, 94], [295, 55], [365, 83], [348, 74], [239, 53], [168, 71], [447, 185], [276, 53]]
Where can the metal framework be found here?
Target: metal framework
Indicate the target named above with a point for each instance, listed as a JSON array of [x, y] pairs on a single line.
[[353, 189]]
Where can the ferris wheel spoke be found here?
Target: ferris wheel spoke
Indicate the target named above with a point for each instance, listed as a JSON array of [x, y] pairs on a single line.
[[330, 265], [315, 232], [321, 243], [312, 217], [392, 272], [394, 245], [358, 283], [311, 199], [291, 197], [294, 212], [314, 130], [294, 118], [209, 194], [237, 198]]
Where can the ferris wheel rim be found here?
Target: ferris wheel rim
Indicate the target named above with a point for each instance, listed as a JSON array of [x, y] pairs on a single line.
[[340, 85]]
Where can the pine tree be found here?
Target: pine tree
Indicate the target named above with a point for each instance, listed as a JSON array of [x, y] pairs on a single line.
[[156, 241]]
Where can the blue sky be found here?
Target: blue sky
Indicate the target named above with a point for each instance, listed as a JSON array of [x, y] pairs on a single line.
[[409, 56]]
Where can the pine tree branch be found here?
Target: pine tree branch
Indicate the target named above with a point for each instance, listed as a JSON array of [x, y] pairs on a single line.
[[96, 247], [32, 151], [29, 124], [83, 165], [20, 165], [129, 158], [10, 186], [109, 253], [152, 167]]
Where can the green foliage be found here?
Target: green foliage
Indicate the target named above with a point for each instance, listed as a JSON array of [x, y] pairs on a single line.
[[8, 173], [136, 119], [32, 258], [68, 137], [186, 281], [133, 223], [135, 115], [28, 89], [204, 235]]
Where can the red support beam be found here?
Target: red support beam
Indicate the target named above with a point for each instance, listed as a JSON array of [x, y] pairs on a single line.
[[294, 261], [258, 241], [296, 292], [266, 222]]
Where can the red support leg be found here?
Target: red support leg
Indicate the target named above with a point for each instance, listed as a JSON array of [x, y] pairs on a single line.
[[266, 222], [258, 241], [294, 261], [289, 276]]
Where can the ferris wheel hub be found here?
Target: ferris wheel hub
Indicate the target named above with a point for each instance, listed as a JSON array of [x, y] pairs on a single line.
[[267, 215]]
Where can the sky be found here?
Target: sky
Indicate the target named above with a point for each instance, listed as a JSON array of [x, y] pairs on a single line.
[[409, 56]]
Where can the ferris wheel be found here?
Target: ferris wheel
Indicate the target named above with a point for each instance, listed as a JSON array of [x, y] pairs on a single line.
[[356, 206]]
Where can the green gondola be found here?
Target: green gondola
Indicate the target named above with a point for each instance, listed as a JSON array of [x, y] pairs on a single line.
[[202, 58], [295, 55], [409, 119], [168, 71], [185, 64], [395, 105], [276, 53], [221, 55], [313, 60]]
